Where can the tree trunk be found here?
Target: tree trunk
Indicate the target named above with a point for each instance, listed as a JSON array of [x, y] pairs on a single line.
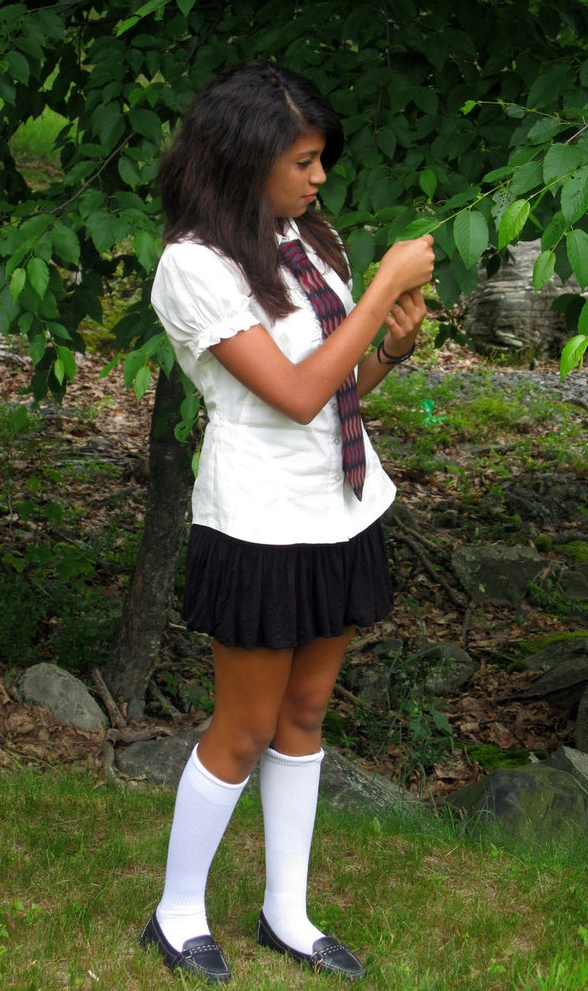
[[136, 650]]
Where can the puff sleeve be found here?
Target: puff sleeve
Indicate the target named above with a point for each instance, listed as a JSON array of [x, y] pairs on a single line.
[[201, 298]]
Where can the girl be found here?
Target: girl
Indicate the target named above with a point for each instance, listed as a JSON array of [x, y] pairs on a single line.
[[286, 555]]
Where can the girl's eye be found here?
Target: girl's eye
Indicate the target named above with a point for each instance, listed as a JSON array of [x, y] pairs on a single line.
[[304, 165]]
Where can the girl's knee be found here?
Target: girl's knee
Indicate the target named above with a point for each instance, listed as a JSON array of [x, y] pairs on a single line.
[[306, 713]]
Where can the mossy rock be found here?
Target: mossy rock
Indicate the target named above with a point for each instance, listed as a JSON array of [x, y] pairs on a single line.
[[536, 805], [490, 757]]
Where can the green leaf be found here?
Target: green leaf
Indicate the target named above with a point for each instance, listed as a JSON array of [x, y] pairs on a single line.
[[142, 382], [543, 269], [68, 362], [428, 182], [147, 123], [7, 90], [17, 282], [513, 222], [151, 6], [386, 142], [186, 6], [108, 124], [59, 370], [58, 331], [554, 231], [573, 354], [470, 232], [361, 249], [133, 364], [574, 196], [38, 274], [129, 172], [417, 228], [560, 161], [526, 177], [37, 348], [146, 249], [333, 193], [65, 243], [577, 249], [468, 106], [497, 174], [544, 130], [103, 228], [18, 67]]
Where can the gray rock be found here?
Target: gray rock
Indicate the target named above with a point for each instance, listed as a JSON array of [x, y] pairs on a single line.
[[67, 697], [498, 573], [564, 677], [581, 729], [160, 762], [537, 805], [546, 497], [573, 761], [452, 669], [344, 784], [368, 681], [574, 583], [347, 786]]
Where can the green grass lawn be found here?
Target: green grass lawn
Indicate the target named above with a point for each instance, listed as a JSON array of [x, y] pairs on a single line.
[[427, 909]]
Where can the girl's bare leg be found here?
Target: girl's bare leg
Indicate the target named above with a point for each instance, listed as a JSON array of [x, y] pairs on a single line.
[[289, 781]]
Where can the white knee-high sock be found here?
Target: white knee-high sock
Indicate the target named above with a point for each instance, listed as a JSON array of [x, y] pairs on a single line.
[[204, 805], [289, 791]]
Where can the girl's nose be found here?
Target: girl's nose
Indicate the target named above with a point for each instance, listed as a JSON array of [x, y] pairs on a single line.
[[318, 175]]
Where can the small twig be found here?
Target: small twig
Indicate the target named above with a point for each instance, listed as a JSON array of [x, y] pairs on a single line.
[[431, 570], [114, 714], [137, 735], [167, 707], [347, 695], [465, 626], [413, 533]]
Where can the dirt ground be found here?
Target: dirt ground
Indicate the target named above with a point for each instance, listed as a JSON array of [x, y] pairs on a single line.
[[100, 419]]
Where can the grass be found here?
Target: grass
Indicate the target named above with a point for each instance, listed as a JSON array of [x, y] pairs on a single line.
[[427, 909], [428, 421]]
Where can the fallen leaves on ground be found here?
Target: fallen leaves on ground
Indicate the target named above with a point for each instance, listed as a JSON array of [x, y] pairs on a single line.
[[99, 419]]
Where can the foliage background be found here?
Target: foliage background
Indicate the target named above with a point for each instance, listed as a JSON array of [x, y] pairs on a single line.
[[464, 118]]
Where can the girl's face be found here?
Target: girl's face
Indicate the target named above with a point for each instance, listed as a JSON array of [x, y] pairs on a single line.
[[295, 177]]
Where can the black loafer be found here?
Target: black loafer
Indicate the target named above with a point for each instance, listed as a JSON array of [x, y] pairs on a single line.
[[201, 956], [328, 955]]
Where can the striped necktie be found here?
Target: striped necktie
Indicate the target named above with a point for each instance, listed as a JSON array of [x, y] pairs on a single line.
[[330, 312]]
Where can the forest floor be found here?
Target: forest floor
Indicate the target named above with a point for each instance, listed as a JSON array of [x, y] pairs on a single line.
[[100, 423]]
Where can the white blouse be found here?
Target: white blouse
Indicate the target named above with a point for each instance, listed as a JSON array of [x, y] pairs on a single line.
[[261, 476]]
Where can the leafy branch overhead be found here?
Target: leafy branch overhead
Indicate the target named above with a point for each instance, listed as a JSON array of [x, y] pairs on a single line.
[[464, 118]]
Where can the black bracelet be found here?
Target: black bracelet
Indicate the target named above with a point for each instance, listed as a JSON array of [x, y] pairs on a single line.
[[390, 359]]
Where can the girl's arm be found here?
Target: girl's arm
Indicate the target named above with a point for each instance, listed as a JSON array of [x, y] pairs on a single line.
[[301, 390], [403, 323]]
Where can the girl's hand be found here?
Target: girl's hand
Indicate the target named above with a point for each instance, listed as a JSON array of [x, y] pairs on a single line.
[[404, 322], [408, 264]]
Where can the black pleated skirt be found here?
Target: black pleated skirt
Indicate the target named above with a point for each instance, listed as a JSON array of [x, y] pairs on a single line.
[[282, 596]]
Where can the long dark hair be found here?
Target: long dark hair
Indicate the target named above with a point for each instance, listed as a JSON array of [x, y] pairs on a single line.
[[212, 179]]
